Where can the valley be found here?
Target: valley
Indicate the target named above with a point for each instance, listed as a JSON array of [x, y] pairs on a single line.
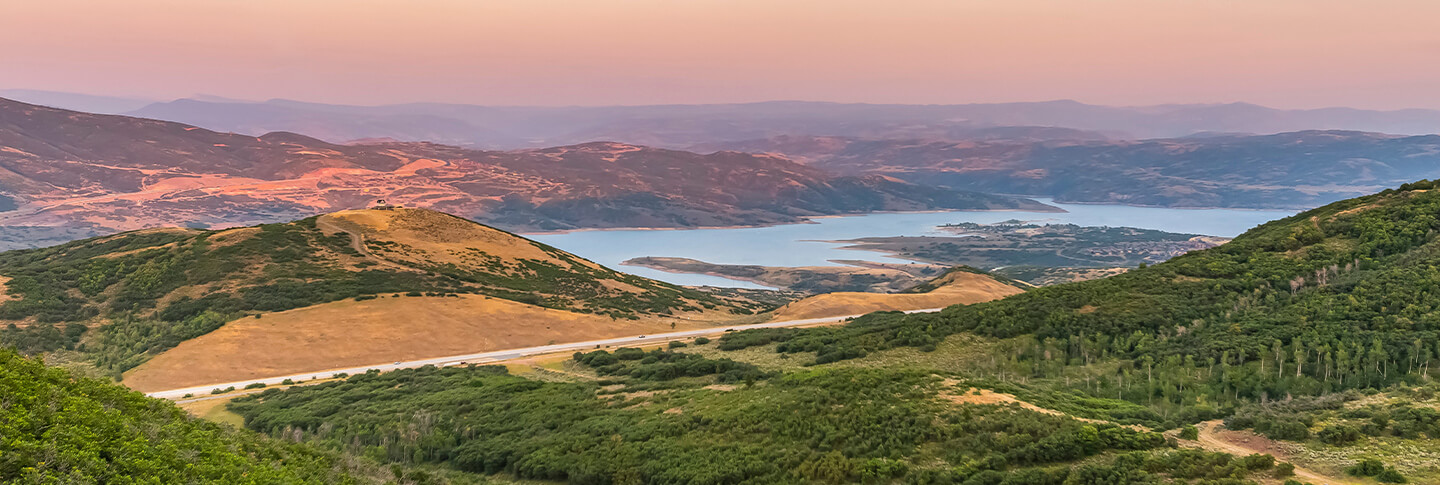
[[1022, 242], [331, 300]]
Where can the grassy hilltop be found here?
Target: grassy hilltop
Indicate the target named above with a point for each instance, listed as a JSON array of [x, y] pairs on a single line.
[[146, 291]]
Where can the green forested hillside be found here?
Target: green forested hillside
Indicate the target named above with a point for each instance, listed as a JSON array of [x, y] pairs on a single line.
[[804, 426], [56, 428], [1335, 298]]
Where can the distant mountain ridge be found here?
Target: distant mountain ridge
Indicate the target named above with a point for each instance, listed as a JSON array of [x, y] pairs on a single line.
[[684, 126], [1287, 170], [90, 103], [63, 168]]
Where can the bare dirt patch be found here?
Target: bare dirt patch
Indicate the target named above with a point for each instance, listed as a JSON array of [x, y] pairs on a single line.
[[1214, 437], [986, 396]]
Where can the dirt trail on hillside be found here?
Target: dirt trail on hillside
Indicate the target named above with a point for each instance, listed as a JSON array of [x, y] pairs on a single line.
[[357, 242], [971, 395], [1214, 437]]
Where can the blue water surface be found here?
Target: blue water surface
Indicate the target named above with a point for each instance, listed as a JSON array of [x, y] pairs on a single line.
[[806, 244]]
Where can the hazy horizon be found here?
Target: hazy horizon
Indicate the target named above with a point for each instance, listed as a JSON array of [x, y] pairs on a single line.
[[1283, 53], [221, 99]]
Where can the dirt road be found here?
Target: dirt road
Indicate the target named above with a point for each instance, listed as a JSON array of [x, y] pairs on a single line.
[[1214, 437], [503, 355]]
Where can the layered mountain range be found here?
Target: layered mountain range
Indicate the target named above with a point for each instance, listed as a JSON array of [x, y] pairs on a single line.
[[1226, 155], [66, 169], [1287, 170], [682, 126]]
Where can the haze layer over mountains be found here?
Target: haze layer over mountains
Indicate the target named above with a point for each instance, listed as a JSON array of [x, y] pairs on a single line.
[[684, 126]]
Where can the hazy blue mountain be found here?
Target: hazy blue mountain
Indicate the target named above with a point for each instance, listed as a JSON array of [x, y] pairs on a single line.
[[79, 102], [684, 126], [1288, 170]]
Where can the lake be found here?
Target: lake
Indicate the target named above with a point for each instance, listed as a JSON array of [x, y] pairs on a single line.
[[802, 244]]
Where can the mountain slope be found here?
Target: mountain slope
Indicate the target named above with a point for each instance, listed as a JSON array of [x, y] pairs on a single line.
[[1290, 170], [109, 173], [153, 289], [62, 429]]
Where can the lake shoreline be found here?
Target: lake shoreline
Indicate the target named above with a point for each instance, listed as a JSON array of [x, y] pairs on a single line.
[[706, 273], [811, 219], [820, 240], [804, 220], [1203, 208]]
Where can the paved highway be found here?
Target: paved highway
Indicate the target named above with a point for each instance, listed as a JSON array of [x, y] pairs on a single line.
[[502, 355]]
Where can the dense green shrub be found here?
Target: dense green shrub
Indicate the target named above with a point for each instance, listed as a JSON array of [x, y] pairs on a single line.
[[59, 428], [1339, 435], [833, 424], [1367, 467], [1390, 475], [661, 365]]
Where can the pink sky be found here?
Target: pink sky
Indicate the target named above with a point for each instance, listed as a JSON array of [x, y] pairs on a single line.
[[1283, 53]]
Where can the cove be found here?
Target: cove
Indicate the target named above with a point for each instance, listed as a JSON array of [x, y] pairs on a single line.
[[805, 244]]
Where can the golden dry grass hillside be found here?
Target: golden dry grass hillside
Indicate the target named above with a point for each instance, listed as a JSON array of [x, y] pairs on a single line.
[[514, 267], [955, 287], [126, 298], [425, 238], [383, 330], [500, 291]]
